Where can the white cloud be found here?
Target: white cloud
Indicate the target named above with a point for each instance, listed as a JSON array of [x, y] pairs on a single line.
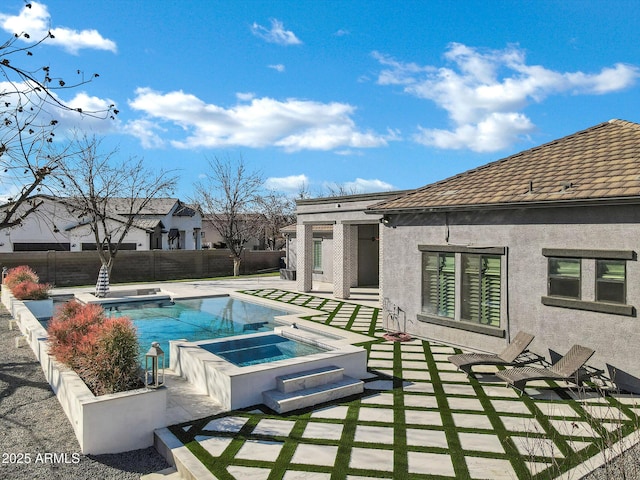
[[278, 67], [497, 131], [485, 91], [95, 116], [368, 186], [146, 132], [36, 21], [290, 184], [262, 122], [245, 96], [277, 34]]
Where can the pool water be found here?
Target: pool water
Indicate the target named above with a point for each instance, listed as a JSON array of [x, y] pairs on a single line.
[[247, 351], [195, 319]]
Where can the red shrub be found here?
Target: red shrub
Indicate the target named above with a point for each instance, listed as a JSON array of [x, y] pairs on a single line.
[[103, 351], [28, 290], [73, 331], [112, 365], [20, 274]]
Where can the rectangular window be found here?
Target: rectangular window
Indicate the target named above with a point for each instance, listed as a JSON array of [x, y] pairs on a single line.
[[611, 281], [317, 255], [438, 284], [564, 277], [481, 280], [604, 277]]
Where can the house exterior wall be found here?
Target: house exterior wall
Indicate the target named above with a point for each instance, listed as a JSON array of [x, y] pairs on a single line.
[[524, 234], [54, 226], [46, 225], [191, 226]]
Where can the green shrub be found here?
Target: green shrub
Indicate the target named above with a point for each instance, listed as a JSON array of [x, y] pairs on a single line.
[[113, 364]]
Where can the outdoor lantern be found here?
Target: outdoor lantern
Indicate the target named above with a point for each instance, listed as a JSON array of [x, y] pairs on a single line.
[[153, 363]]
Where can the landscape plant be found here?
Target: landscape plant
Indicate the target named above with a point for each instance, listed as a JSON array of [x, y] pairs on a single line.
[[23, 283], [111, 365], [17, 275], [31, 291], [103, 351]]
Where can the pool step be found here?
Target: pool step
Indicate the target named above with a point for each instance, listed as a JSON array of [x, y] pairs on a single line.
[[311, 387], [309, 379]]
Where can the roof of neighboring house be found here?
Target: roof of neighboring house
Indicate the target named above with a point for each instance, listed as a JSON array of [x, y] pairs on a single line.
[[142, 224], [601, 162], [154, 206]]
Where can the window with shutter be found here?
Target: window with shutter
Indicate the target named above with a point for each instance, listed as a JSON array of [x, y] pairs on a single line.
[[481, 289], [438, 284]]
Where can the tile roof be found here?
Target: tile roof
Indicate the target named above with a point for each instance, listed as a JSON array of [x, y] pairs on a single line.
[[601, 162]]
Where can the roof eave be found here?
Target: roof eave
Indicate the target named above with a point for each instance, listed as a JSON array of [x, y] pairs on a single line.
[[587, 202]]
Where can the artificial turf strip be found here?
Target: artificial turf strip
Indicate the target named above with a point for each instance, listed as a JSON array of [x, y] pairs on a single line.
[[455, 448], [328, 306], [503, 434], [400, 457]]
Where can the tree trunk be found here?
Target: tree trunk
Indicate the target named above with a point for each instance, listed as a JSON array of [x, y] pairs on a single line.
[[236, 266]]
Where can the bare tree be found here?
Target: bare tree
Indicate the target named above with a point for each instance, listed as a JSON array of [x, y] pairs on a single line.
[[229, 195], [107, 194], [29, 111], [341, 190], [277, 211]]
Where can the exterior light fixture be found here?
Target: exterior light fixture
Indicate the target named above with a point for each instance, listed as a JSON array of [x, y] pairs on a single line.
[[154, 367]]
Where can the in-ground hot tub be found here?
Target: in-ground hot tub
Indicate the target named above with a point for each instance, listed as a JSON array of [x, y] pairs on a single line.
[[257, 349], [236, 371]]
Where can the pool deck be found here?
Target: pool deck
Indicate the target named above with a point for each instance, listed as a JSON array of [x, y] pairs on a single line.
[[419, 417]]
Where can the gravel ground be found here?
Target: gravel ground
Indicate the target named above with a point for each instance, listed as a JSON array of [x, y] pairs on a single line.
[[625, 466], [36, 438]]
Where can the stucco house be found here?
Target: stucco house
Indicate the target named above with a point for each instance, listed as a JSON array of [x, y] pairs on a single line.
[[544, 241], [164, 224]]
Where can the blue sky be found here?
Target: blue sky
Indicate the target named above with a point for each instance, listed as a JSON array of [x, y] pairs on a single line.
[[370, 95]]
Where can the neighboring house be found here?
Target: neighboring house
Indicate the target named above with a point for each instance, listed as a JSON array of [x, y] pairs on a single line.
[[544, 241], [211, 238], [165, 223]]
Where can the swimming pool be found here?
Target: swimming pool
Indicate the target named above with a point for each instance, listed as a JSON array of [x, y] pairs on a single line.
[[254, 350], [195, 319]]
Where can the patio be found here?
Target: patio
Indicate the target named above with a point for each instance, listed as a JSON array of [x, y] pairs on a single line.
[[419, 418]]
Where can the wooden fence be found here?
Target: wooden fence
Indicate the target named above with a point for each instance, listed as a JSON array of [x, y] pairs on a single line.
[[65, 269]]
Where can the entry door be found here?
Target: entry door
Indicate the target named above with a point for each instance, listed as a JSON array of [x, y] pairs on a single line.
[[368, 255]]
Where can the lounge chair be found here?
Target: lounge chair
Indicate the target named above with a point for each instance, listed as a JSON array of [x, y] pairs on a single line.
[[566, 368], [464, 361]]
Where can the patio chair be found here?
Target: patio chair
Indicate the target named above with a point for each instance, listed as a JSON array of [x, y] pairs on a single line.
[[566, 368], [464, 361]]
